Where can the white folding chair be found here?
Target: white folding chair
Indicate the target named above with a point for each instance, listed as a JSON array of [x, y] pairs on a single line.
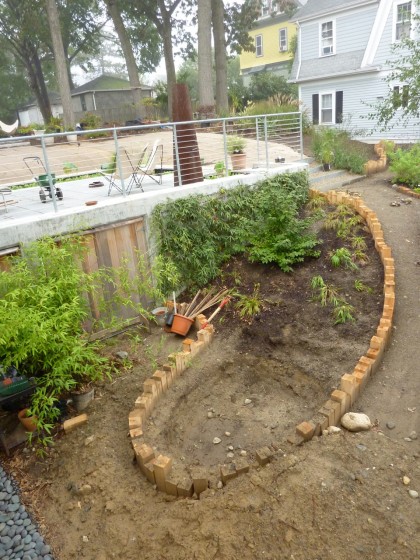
[[145, 169]]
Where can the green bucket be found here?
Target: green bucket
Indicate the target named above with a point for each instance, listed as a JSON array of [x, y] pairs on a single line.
[[43, 180]]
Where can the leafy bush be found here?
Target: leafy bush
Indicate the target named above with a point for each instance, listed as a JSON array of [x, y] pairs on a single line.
[[262, 222], [266, 84], [405, 166], [346, 153]]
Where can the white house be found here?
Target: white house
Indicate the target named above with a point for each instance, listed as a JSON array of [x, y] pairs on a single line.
[[344, 49]]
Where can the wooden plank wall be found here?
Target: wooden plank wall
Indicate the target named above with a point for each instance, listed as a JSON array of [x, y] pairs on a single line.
[[113, 245]]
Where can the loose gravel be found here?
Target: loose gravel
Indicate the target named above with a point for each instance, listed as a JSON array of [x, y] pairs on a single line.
[[19, 535]]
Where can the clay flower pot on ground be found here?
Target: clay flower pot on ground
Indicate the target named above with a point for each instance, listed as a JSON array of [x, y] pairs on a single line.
[[29, 422], [235, 147]]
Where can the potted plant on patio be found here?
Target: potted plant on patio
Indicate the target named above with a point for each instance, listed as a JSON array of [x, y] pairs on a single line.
[[235, 147], [327, 156]]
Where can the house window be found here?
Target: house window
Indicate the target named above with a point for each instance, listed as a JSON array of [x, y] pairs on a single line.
[[327, 38], [400, 96], [258, 45], [83, 102], [403, 21], [327, 107], [265, 8], [283, 46]]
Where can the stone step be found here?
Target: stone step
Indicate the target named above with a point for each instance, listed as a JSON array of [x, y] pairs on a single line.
[[335, 182]]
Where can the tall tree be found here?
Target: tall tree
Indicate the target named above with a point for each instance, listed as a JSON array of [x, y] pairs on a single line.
[[130, 60], [22, 25], [162, 14], [220, 57], [205, 82], [60, 64], [14, 88]]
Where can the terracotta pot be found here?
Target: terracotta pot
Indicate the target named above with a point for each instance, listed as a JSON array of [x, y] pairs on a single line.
[[238, 161], [29, 422], [181, 325]]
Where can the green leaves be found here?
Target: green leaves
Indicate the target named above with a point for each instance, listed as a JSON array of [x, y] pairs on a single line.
[[200, 233], [405, 166]]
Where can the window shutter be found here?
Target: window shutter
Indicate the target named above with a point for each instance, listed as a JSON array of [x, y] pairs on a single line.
[[315, 108], [338, 107]]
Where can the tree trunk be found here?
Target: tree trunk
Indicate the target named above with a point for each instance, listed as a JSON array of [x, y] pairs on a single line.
[[60, 64], [133, 73], [222, 101], [36, 76], [169, 60], [205, 82]]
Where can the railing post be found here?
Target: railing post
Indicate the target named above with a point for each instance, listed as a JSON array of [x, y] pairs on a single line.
[[301, 134], [225, 148], [119, 165], [47, 169], [266, 142], [257, 127], [178, 164]]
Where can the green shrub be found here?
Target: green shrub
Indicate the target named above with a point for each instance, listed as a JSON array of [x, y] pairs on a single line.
[[405, 166], [346, 153], [262, 222]]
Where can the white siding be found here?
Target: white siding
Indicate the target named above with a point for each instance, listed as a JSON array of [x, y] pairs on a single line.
[[352, 33], [384, 52], [357, 91]]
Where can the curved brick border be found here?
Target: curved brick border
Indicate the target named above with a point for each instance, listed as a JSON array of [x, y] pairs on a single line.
[[407, 191], [157, 469]]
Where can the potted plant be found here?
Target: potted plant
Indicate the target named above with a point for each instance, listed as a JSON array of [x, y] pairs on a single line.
[[235, 147], [327, 156], [53, 127]]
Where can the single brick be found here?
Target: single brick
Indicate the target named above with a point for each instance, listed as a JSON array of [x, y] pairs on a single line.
[[135, 419], [372, 353], [162, 467], [144, 454], [294, 439], [200, 480], [186, 345], [347, 384], [203, 336], [161, 377], [151, 386], [328, 413], [343, 398], [227, 472], [69, 425], [136, 433], [361, 379], [377, 342], [320, 422], [241, 465], [197, 347], [170, 371], [336, 407], [200, 320], [306, 430], [171, 487], [148, 470], [264, 455], [185, 488], [180, 362]]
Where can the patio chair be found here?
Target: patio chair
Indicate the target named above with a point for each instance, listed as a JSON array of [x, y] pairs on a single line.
[[145, 169], [108, 172], [3, 192], [134, 167]]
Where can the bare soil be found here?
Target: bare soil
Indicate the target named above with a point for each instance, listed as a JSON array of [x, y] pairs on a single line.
[[338, 497]]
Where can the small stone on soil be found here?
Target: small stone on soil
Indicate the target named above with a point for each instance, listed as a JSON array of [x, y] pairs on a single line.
[[227, 434], [406, 480], [413, 494], [247, 401], [121, 355], [216, 440], [390, 425], [413, 435], [243, 453], [356, 422]]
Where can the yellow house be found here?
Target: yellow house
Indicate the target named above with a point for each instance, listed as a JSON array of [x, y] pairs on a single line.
[[272, 34]]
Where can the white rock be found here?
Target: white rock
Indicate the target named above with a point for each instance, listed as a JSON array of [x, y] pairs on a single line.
[[216, 440], [406, 480], [247, 401], [210, 414], [230, 455], [220, 485], [413, 493], [356, 422], [227, 434], [230, 448], [85, 538], [243, 453], [333, 430]]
